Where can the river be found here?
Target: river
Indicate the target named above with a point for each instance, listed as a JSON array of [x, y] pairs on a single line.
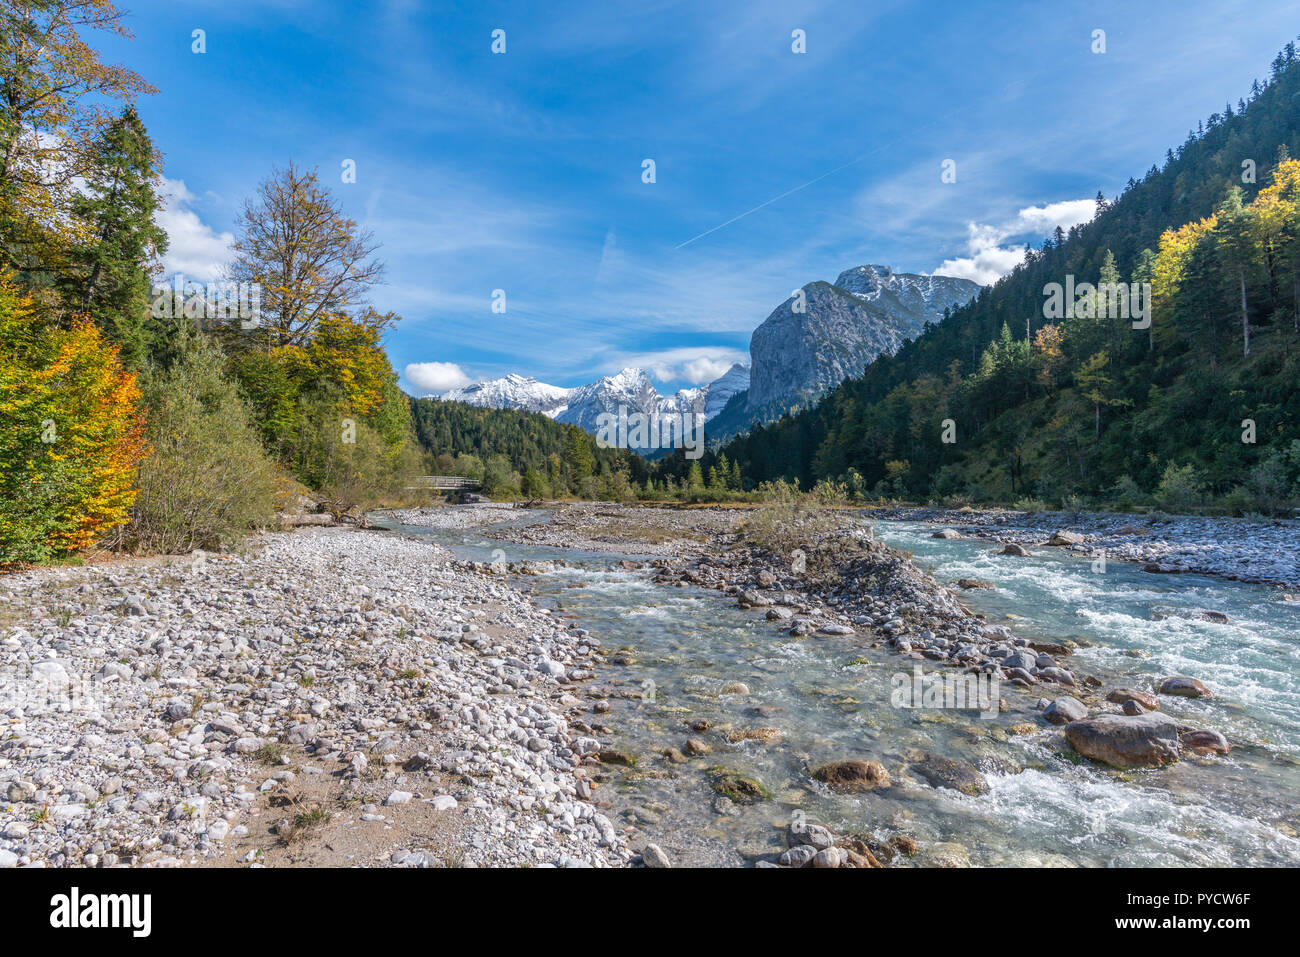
[[830, 699]]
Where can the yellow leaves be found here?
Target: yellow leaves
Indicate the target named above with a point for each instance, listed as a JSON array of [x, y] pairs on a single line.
[[1176, 246], [348, 353], [72, 434]]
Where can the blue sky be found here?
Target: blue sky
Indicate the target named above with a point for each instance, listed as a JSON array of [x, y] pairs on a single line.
[[522, 171]]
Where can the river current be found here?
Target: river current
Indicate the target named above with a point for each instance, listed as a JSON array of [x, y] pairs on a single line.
[[830, 699]]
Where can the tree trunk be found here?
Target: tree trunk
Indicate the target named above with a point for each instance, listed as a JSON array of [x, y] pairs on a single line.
[[1245, 320]]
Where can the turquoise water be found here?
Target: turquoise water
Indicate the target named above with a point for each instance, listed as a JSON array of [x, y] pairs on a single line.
[[829, 697]]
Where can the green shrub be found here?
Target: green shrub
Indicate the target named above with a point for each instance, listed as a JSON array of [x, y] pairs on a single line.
[[1127, 493], [1181, 489], [348, 462], [206, 480]]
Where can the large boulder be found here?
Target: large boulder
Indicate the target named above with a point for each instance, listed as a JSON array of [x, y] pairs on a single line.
[[1064, 710], [1020, 658], [852, 775], [1124, 741], [1065, 538], [1184, 688], [952, 773], [1011, 548]]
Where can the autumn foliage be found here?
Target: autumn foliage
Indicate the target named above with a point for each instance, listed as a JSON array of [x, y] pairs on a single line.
[[71, 434]]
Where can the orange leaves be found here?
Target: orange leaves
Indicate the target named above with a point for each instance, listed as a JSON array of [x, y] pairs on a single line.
[[71, 434]]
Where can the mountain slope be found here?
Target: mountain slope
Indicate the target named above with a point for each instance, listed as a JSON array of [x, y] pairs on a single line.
[[805, 347], [1092, 403]]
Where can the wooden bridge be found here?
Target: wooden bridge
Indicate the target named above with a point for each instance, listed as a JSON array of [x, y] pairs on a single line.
[[449, 483]]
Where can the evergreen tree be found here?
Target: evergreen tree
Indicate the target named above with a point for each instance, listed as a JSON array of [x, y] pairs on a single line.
[[109, 275], [1236, 252]]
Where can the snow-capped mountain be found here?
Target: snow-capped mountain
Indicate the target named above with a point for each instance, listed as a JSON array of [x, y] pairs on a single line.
[[905, 292], [720, 390], [513, 392], [630, 388]]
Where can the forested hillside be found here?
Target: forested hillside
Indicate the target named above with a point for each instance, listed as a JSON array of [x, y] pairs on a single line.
[[521, 452], [1006, 399]]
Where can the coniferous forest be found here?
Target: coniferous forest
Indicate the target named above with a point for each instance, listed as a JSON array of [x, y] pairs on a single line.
[[1200, 407]]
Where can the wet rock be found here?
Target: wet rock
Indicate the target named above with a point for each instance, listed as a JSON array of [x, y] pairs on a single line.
[[1204, 742], [852, 775], [955, 773], [947, 855], [817, 836], [836, 629], [1184, 688], [1132, 707], [738, 787], [946, 533], [615, 756], [970, 583], [800, 856], [1011, 548], [766, 735], [1147, 700], [695, 746], [831, 857], [1064, 710], [736, 687], [1123, 741], [1052, 648]]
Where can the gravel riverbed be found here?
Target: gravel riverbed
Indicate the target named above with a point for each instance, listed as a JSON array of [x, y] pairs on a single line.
[[330, 696]]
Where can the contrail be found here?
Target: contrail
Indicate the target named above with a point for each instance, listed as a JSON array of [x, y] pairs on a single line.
[[911, 133], [773, 200]]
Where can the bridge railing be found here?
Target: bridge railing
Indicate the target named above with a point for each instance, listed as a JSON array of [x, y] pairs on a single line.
[[449, 482]]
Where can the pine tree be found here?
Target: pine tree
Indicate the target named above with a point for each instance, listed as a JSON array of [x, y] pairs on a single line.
[[1236, 250], [109, 275]]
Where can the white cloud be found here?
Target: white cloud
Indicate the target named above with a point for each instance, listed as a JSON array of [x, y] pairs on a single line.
[[704, 369], [193, 247], [435, 377], [991, 257]]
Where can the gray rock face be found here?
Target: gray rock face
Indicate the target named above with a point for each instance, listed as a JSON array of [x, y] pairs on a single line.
[[1123, 741], [869, 311]]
